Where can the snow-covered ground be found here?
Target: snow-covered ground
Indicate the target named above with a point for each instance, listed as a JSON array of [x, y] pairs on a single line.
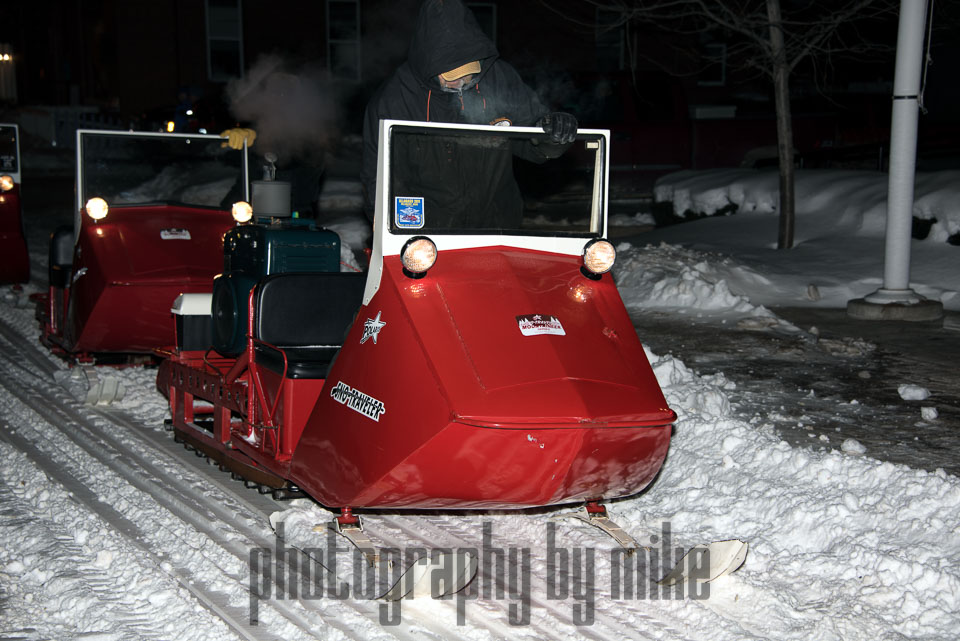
[[842, 546], [839, 238]]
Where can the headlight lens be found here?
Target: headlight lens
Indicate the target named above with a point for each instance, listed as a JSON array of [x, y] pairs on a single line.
[[97, 208], [418, 255], [599, 256], [6, 182], [242, 211]]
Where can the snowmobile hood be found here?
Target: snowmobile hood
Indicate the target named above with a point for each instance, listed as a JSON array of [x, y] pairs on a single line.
[[446, 36], [158, 243], [531, 339]]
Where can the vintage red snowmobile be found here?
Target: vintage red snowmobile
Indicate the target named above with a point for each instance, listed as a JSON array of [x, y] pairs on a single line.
[[15, 266], [150, 214], [485, 359]]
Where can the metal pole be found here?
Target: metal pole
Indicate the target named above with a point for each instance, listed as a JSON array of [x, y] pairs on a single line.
[[900, 190]]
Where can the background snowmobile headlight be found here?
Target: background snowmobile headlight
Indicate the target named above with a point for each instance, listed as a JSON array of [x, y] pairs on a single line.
[[242, 211], [418, 255], [97, 208], [599, 256], [6, 182]]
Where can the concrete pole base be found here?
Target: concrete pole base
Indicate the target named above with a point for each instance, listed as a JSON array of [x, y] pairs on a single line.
[[882, 305]]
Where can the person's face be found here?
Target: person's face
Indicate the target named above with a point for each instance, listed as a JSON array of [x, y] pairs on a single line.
[[458, 84]]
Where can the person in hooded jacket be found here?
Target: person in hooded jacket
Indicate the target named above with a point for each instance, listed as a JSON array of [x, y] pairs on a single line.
[[453, 73]]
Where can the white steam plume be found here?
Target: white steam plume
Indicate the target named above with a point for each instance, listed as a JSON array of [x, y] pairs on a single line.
[[295, 112]]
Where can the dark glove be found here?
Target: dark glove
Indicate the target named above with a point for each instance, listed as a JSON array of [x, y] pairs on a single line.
[[561, 126]]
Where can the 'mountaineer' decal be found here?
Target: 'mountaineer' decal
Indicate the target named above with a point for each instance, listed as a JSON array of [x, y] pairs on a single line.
[[357, 401], [538, 324]]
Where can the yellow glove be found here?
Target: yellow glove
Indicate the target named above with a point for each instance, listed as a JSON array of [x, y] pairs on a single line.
[[236, 136]]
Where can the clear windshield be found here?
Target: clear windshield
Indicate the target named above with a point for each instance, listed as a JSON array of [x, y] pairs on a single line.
[[132, 169], [494, 182], [9, 162]]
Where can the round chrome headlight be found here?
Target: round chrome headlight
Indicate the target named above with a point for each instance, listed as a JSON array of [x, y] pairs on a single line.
[[97, 208], [599, 256], [242, 211], [418, 255], [6, 182]]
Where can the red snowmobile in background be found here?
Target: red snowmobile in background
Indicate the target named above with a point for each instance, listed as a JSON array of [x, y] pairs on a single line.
[[150, 214], [15, 266]]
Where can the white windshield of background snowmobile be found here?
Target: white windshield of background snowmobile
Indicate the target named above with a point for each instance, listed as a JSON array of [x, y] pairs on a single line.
[[388, 243], [14, 170], [83, 134]]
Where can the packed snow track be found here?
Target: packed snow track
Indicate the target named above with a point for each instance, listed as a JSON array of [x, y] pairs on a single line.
[[183, 525]]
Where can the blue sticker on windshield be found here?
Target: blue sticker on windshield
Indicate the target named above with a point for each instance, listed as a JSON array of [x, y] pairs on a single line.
[[408, 212]]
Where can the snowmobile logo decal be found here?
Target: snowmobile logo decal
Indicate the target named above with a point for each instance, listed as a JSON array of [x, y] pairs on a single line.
[[372, 328], [408, 212], [358, 401], [175, 234], [538, 324]]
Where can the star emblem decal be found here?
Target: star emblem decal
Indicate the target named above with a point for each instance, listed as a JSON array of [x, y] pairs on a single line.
[[371, 328]]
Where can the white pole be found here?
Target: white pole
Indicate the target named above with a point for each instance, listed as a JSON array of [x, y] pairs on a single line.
[[895, 300], [903, 156]]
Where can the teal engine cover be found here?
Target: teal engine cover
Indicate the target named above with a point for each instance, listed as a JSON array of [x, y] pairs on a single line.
[[251, 252]]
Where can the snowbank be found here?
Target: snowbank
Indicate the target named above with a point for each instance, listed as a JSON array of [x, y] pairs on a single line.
[[856, 200], [839, 235]]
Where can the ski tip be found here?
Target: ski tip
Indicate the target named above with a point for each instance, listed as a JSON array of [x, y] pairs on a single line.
[[435, 576], [708, 562]]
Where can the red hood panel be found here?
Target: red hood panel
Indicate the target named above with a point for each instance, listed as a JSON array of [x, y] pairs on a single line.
[[553, 293], [594, 371], [135, 244]]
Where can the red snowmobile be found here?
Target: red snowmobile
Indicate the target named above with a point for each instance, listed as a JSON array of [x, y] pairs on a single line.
[[15, 266], [150, 216], [485, 359]]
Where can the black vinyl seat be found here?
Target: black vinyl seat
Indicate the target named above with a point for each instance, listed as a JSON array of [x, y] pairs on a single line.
[[307, 316]]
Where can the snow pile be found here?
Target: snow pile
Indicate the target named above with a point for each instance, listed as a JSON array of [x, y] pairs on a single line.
[[340, 195], [856, 199], [668, 277], [842, 547], [909, 392], [196, 184], [838, 254], [683, 281], [639, 219], [853, 446]]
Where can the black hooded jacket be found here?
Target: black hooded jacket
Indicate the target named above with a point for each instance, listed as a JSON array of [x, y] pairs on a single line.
[[447, 36]]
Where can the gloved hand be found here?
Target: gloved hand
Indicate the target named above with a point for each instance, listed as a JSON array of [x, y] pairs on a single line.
[[236, 136], [561, 126]]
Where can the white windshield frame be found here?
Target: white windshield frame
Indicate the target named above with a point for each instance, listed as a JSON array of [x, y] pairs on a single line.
[[387, 243], [81, 197], [16, 130]]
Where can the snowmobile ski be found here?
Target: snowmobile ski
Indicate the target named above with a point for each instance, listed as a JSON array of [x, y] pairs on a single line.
[[722, 558]]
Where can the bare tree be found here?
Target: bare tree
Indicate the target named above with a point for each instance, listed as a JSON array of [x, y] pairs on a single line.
[[763, 37]]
